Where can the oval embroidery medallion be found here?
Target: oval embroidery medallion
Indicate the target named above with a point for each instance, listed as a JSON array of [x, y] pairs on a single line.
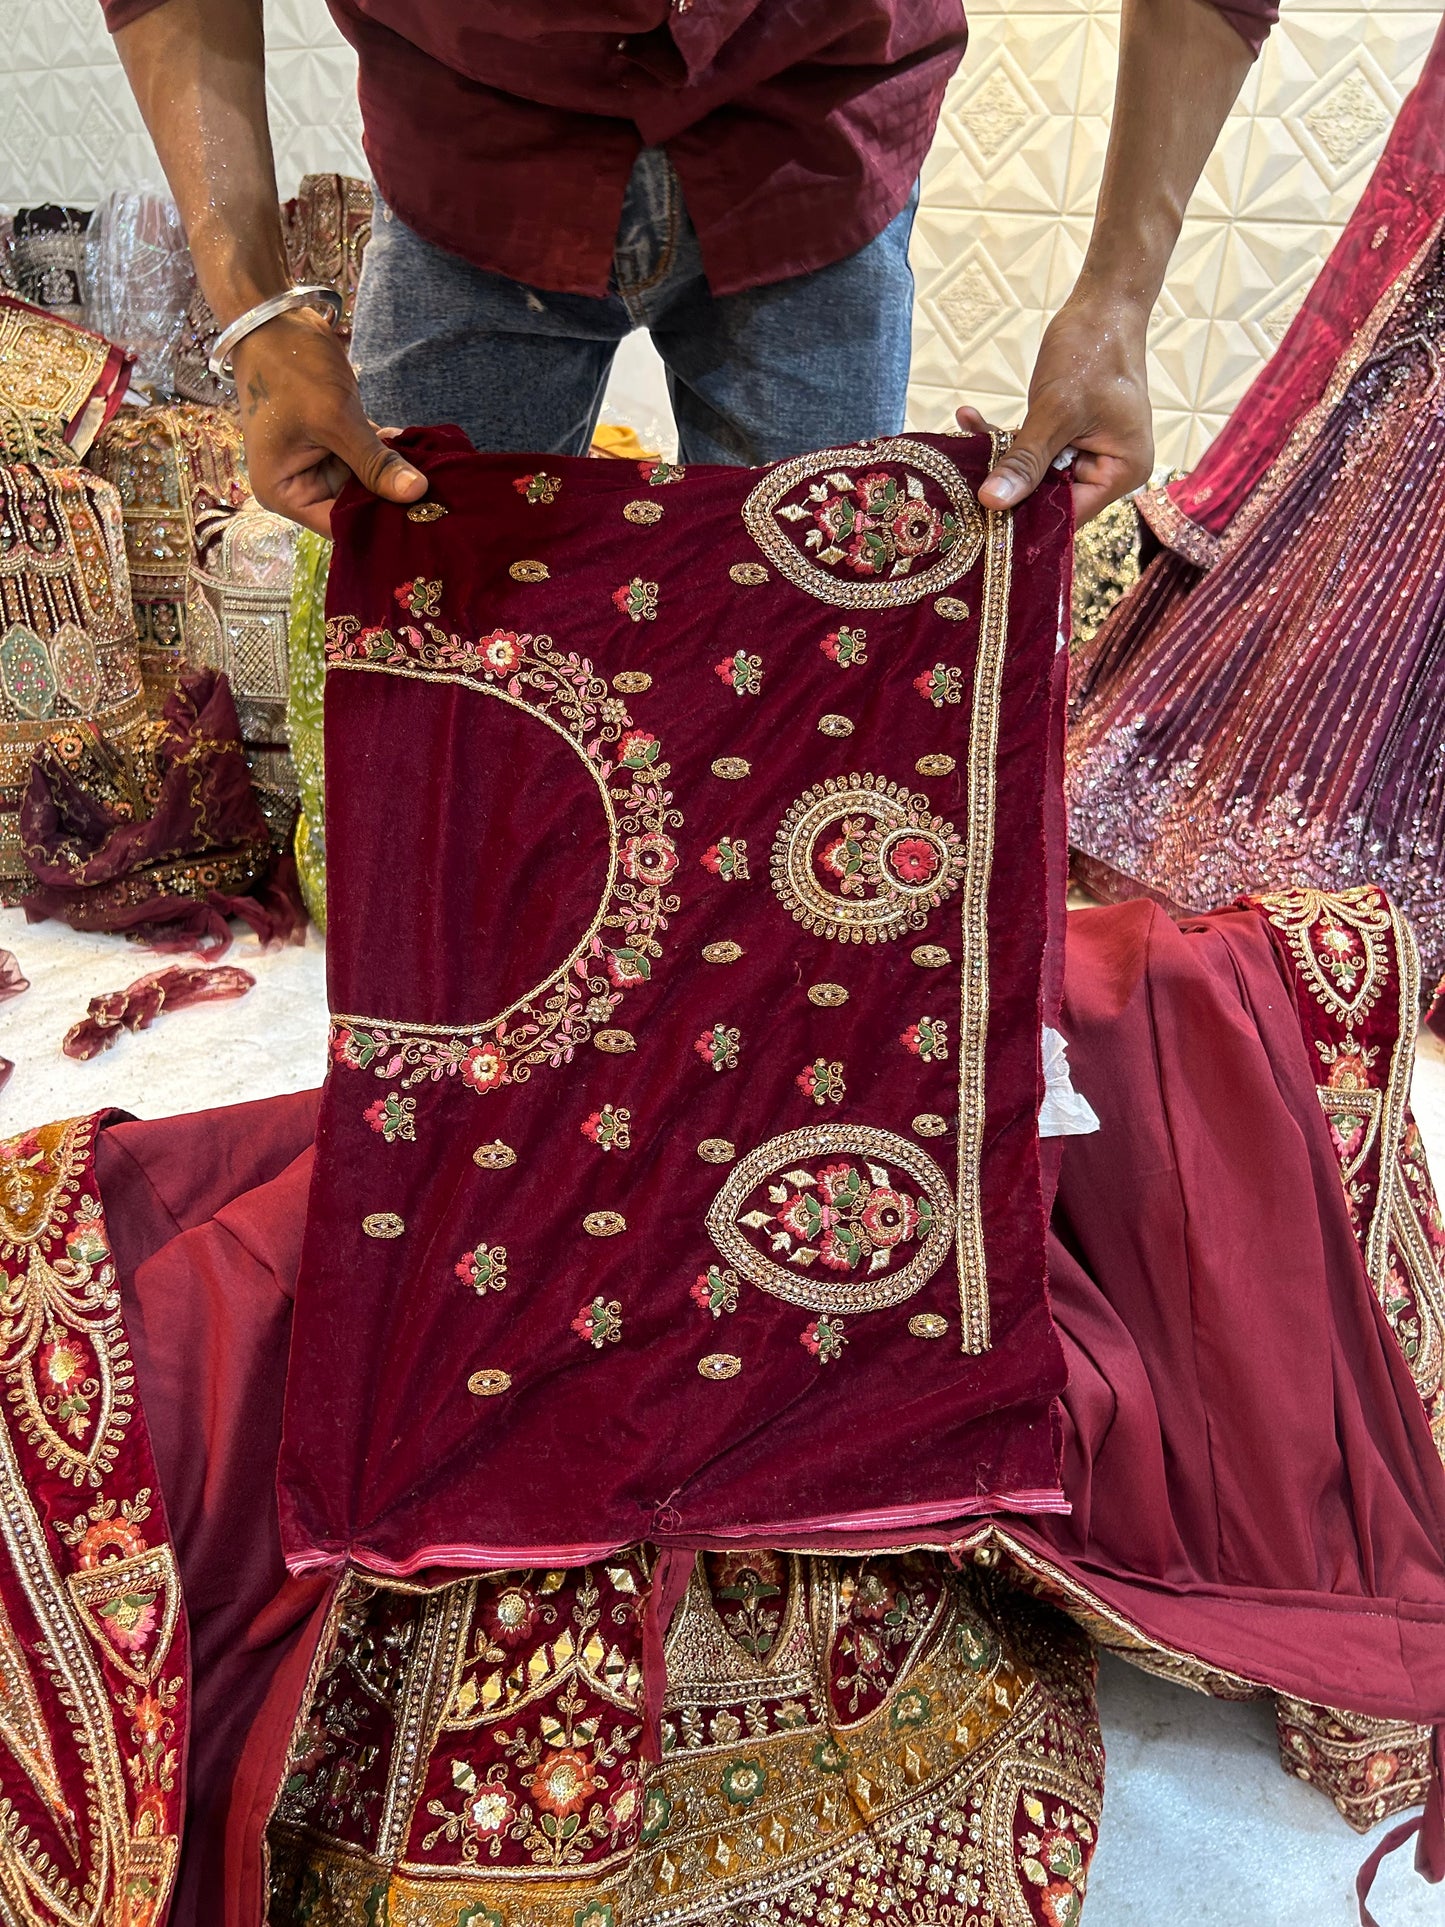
[[717, 1150], [615, 1042], [951, 609], [750, 574], [489, 1383], [827, 996], [930, 1124], [425, 512], [725, 952], [835, 1217], [732, 769], [495, 1156], [643, 513], [940, 765], [928, 1324], [931, 956], [861, 859], [720, 1365], [604, 1224], [835, 726], [383, 1224], [529, 572], [867, 528], [632, 682]]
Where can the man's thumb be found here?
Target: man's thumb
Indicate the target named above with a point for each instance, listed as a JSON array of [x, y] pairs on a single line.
[[381, 469]]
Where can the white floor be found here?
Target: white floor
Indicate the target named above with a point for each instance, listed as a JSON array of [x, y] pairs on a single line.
[[1201, 1827]]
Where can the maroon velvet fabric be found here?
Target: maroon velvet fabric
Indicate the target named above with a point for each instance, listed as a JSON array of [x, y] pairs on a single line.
[[468, 796]]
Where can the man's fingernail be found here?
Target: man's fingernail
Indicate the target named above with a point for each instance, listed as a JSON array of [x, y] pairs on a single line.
[[406, 476], [1003, 487]]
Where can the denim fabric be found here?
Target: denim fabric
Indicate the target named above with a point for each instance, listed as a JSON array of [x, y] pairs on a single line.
[[755, 377]]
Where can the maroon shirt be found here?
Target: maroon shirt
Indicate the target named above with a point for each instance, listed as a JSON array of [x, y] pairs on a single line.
[[505, 130]]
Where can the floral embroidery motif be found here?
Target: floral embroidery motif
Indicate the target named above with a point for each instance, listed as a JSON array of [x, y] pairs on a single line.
[[887, 860], [1054, 1857], [599, 1323], [575, 1004], [822, 1081], [928, 1039], [484, 1269], [742, 673], [716, 1290], [420, 597], [393, 1117], [727, 859], [657, 474], [825, 1339], [609, 1129], [850, 1214], [538, 488], [868, 528], [637, 599], [719, 1047], [845, 647], [940, 685]]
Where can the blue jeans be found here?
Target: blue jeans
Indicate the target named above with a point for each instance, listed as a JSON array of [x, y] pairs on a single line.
[[816, 360]]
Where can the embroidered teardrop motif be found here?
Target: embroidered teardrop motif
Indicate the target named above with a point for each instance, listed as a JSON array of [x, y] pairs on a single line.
[[383, 1224], [489, 1382]]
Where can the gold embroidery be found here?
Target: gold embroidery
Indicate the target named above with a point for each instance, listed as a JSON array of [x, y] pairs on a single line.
[[490, 1382], [615, 1042], [383, 1224], [632, 682], [538, 489], [890, 1219], [834, 726], [717, 1150], [930, 1124], [725, 952], [931, 956], [750, 574], [951, 609], [719, 1365], [495, 1156], [928, 1324], [884, 841], [604, 1224], [939, 765], [425, 512], [827, 996], [732, 768], [643, 513], [529, 572]]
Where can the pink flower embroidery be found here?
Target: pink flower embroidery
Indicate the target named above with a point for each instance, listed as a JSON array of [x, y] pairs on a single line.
[[649, 859], [638, 749], [501, 650], [914, 859], [484, 1067]]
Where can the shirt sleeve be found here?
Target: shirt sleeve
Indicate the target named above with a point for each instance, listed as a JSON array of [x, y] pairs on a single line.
[[1251, 19]]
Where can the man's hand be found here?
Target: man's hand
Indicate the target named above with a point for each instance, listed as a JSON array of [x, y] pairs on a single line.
[[306, 431], [1089, 392]]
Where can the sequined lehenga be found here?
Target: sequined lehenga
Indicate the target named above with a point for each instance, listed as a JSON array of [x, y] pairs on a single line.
[[1265, 708]]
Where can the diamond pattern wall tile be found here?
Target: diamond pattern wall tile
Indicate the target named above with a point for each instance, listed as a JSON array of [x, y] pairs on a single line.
[[1009, 188]]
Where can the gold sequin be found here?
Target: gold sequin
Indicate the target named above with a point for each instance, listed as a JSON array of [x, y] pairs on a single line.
[[835, 726], [928, 1324], [604, 1224], [529, 572], [939, 765], [732, 768], [827, 996], [718, 1365], [643, 513], [383, 1224], [615, 1042], [950, 608], [425, 512], [930, 1124], [632, 682], [725, 952], [750, 574], [717, 1150], [495, 1156], [489, 1383], [931, 956]]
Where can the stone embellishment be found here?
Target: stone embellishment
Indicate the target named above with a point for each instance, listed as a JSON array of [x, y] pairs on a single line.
[[928, 1324], [717, 1150], [861, 859], [831, 725], [751, 575], [930, 1124], [614, 1043], [495, 1156], [527, 571], [939, 765], [604, 1224], [931, 956], [719, 1365], [599, 1323], [425, 512], [827, 996], [643, 514], [867, 528], [950, 608], [723, 952], [837, 1218], [484, 1269], [490, 1382], [732, 769], [383, 1224], [632, 682]]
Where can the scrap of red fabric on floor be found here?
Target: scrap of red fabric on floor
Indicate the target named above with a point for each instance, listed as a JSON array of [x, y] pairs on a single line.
[[139, 1004]]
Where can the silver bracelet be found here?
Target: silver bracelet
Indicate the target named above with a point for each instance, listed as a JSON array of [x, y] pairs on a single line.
[[235, 332]]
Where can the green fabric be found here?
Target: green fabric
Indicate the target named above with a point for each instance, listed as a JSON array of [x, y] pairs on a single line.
[[303, 714]]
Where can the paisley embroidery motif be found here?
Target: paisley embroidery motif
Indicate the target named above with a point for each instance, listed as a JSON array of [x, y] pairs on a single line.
[[859, 858], [864, 1225]]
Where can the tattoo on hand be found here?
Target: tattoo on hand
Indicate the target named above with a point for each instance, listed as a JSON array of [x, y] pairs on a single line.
[[258, 391]]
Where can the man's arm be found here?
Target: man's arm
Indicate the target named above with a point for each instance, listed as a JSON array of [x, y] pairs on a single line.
[[198, 71], [1181, 65]]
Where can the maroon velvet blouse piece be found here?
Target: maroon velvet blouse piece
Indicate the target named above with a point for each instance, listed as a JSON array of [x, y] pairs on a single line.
[[696, 884]]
